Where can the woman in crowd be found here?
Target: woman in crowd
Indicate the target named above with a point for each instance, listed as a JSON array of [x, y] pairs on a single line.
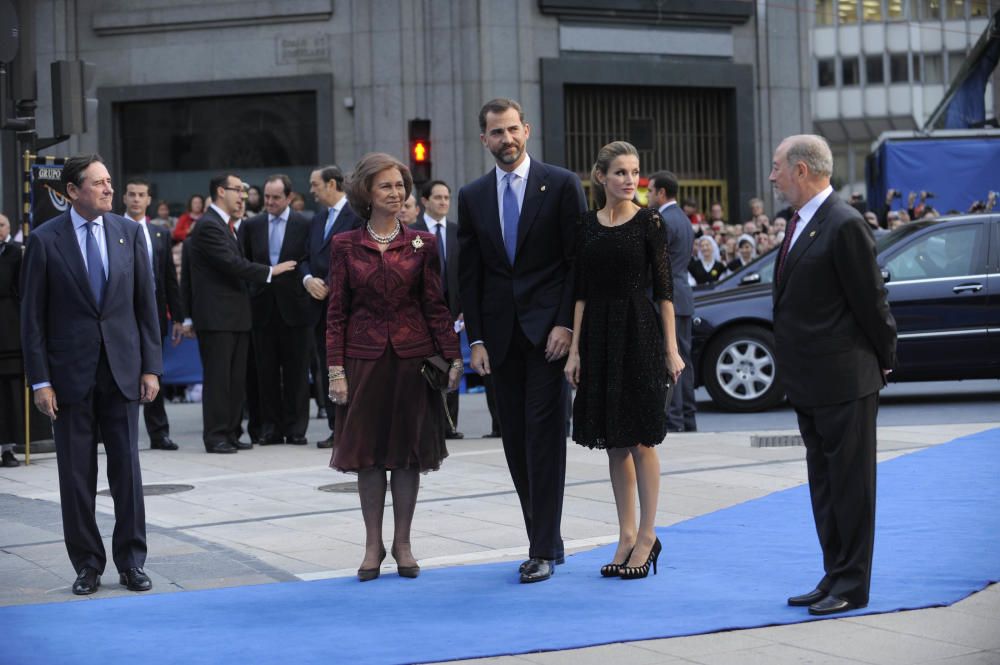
[[623, 356], [163, 217], [386, 314], [706, 268], [255, 200], [195, 208], [746, 251]]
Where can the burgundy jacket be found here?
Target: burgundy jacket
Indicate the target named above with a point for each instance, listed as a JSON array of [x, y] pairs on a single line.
[[381, 298]]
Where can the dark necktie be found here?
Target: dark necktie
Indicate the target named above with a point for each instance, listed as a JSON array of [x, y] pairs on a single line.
[[95, 267], [786, 244], [441, 258], [511, 215]]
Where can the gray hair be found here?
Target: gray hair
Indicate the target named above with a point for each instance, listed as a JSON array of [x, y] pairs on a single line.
[[813, 151]]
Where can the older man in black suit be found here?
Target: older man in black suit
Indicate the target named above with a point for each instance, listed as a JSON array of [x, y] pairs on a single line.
[[517, 229], [283, 316], [92, 353], [220, 311], [335, 216], [168, 298], [663, 188], [835, 342]]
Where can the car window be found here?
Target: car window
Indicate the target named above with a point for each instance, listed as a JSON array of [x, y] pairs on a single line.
[[944, 253]]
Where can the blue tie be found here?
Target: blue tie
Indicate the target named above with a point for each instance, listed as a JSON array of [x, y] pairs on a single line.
[[95, 267], [510, 217], [329, 224], [441, 258], [274, 241]]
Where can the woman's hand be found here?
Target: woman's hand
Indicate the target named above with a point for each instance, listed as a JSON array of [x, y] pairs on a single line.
[[675, 365], [338, 391], [572, 369], [454, 377]]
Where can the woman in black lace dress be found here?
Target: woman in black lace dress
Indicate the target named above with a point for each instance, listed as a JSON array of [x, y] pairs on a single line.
[[624, 357]]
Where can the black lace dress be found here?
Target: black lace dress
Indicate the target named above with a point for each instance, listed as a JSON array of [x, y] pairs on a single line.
[[622, 396]]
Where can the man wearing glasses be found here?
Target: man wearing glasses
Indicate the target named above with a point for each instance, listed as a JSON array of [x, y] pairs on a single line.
[[220, 312]]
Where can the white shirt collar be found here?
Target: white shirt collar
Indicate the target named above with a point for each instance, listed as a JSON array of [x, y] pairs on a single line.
[[222, 213], [141, 220], [807, 211], [339, 205], [283, 216], [667, 205], [521, 171], [430, 221], [79, 221]]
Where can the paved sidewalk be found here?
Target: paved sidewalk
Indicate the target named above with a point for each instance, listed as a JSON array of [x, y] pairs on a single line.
[[258, 517]]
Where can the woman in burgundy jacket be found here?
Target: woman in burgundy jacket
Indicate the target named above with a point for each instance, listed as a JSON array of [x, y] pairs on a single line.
[[386, 313]]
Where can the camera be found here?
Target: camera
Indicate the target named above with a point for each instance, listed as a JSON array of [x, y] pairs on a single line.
[[927, 195], [895, 193]]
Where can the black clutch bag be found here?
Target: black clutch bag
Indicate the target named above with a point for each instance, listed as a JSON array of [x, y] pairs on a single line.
[[435, 369]]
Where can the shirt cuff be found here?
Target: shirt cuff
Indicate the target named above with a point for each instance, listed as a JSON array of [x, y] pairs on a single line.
[[38, 386], [270, 272], [478, 341], [567, 328], [188, 322], [306, 279]]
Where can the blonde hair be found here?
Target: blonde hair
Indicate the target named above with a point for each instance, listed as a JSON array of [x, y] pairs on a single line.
[[358, 185], [605, 156]]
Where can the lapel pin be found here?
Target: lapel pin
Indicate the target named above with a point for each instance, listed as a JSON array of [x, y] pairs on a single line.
[[543, 188], [121, 241], [812, 233]]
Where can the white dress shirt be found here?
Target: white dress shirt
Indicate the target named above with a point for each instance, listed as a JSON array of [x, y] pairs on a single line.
[[807, 212], [519, 184]]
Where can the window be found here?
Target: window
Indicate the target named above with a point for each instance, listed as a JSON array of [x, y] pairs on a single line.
[[871, 12], [849, 71], [847, 11], [954, 9], [946, 253], [827, 76], [933, 69], [874, 69], [916, 69], [898, 68], [824, 12], [928, 10], [955, 61], [979, 9], [896, 10]]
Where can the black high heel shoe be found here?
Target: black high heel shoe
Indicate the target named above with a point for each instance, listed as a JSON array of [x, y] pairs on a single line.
[[636, 573], [369, 574], [614, 569], [405, 571]]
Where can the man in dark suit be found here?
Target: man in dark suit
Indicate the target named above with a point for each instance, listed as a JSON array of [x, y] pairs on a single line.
[[11, 363], [283, 316], [663, 188], [435, 198], [92, 353], [335, 216], [517, 228], [835, 342], [158, 246], [219, 312]]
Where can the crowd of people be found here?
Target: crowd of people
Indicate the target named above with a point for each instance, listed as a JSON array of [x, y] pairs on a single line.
[[372, 291]]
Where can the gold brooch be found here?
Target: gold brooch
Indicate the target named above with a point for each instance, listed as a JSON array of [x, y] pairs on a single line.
[[417, 242]]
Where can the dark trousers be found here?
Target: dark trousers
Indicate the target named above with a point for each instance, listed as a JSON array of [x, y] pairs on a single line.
[[155, 415], [224, 362], [491, 403], [323, 376], [12, 409], [840, 454], [251, 405], [530, 394], [682, 407], [282, 353], [104, 412]]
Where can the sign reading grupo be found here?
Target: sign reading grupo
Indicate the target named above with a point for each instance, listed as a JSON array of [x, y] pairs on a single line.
[[47, 196]]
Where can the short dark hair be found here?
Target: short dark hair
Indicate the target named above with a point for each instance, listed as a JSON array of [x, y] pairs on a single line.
[[359, 185], [218, 180], [138, 181], [285, 181], [332, 172], [498, 105], [428, 189], [666, 181], [73, 168]]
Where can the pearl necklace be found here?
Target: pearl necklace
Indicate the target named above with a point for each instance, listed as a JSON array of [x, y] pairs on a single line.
[[384, 240]]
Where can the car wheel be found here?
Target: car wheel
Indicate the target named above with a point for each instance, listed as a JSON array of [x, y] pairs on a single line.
[[739, 370]]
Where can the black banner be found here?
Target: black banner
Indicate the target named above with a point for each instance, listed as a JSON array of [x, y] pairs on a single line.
[[47, 196]]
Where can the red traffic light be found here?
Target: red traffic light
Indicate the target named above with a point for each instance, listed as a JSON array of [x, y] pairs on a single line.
[[420, 152]]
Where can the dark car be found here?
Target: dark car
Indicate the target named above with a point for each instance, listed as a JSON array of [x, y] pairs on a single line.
[[943, 278]]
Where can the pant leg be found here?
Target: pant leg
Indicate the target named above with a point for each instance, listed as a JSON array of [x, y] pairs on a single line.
[[266, 347], [237, 358], [491, 403], [508, 381], [324, 376], [155, 415], [251, 395], [295, 350], [682, 409]]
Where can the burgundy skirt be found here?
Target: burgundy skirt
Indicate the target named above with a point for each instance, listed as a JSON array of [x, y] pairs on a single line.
[[392, 420]]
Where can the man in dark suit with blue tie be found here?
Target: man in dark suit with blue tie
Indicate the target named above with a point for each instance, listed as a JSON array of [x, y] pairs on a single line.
[[168, 300], [92, 354], [516, 232], [663, 188], [335, 216]]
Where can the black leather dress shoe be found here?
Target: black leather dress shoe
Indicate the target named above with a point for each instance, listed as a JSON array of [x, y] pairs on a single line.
[[537, 570], [241, 445], [297, 440], [221, 448], [87, 582], [454, 434], [134, 579], [8, 459], [163, 444], [807, 599], [325, 443], [321, 412], [524, 564], [833, 605], [494, 434], [271, 440]]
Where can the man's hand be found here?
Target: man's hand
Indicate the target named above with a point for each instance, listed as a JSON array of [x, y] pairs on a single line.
[[149, 387], [176, 334], [188, 331], [282, 268], [480, 361], [886, 372], [558, 343], [45, 401], [317, 288]]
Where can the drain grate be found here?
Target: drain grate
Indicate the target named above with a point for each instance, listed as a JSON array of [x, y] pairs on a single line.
[[775, 440], [339, 488], [156, 490]]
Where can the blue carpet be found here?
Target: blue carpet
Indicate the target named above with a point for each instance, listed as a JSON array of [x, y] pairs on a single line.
[[937, 542]]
